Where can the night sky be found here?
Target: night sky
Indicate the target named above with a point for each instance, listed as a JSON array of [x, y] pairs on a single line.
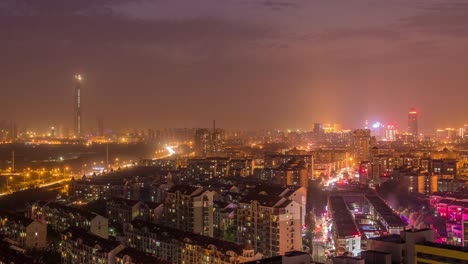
[[246, 63]]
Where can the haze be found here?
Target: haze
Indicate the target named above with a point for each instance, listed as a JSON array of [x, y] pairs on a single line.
[[247, 64]]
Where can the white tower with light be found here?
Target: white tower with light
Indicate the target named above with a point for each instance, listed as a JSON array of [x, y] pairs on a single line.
[[78, 108]]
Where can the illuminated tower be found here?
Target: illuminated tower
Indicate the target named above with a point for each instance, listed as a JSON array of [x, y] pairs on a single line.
[[78, 109], [413, 122]]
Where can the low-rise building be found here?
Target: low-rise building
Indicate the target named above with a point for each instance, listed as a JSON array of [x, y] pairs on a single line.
[[98, 188], [465, 228], [122, 210], [133, 256], [27, 233], [11, 254], [345, 233], [151, 212], [430, 252], [401, 247], [183, 247], [376, 257], [292, 257], [348, 260], [61, 217], [383, 213], [81, 247]]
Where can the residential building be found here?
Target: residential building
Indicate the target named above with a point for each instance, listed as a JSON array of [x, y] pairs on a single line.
[[270, 223], [27, 233], [80, 247], [202, 142], [361, 144], [133, 256], [430, 252], [122, 210], [292, 257], [292, 173], [12, 254], [178, 246], [345, 233], [61, 217], [401, 247], [151, 212], [189, 209]]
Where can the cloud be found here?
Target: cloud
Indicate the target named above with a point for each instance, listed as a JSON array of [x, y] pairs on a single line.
[[178, 41], [447, 18], [277, 5], [363, 33], [55, 7]]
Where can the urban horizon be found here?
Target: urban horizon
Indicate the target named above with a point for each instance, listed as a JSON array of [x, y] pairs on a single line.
[[233, 132]]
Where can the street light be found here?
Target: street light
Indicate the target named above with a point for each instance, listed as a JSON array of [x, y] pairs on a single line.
[[8, 178], [24, 178], [83, 169]]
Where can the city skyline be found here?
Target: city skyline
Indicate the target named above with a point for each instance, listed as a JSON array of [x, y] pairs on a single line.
[[233, 131], [181, 64], [96, 125]]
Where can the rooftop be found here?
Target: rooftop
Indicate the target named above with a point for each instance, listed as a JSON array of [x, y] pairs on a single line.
[[139, 256], [69, 209], [165, 232], [396, 239], [185, 190], [444, 246], [278, 259], [16, 217], [460, 203], [344, 222], [90, 240], [385, 211], [123, 202], [9, 255], [269, 195], [375, 252]]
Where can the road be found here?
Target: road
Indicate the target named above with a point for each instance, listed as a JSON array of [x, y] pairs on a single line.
[[40, 186]]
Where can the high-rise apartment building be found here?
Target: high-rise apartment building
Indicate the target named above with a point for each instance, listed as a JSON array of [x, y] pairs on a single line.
[[271, 223], [190, 209], [390, 133], [207, 142], [218, 140], [362, 144], [318, 128], [202, 142]]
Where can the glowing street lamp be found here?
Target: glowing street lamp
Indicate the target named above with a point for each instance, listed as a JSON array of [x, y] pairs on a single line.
[[7, 182]]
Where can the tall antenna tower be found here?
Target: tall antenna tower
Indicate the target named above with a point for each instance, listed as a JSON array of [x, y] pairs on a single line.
[[78, 109]]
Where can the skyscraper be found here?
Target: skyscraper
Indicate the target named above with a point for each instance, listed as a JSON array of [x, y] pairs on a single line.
[[218, 139], [202, 142], [207, 142], [318, 128], [78, 109], [413, 122]]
